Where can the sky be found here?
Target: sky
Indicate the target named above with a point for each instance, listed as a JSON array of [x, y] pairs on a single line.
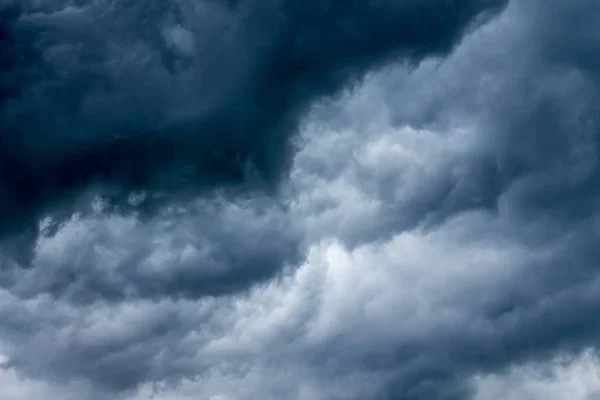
[[299, 199]]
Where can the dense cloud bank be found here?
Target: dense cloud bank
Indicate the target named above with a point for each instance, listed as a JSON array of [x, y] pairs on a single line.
[[175, 98], [433, 233]]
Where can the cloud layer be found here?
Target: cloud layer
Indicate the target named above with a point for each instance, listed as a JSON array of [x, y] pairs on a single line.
[[182, 97], [432, 234]]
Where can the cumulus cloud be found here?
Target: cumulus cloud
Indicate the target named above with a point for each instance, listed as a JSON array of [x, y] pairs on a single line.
[[180, 97], [433, 232], [209, 248]]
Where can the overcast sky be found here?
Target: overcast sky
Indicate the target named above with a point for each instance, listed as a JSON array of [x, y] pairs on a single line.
[[299, 199]]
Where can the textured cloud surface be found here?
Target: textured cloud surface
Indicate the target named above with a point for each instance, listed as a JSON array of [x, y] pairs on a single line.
[[180, 96], [299, 199]]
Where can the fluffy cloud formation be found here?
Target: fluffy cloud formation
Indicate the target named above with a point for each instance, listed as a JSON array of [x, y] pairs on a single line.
[[180, 97], [434, 236]]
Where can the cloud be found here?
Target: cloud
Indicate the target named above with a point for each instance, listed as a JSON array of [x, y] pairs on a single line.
[[178, 98], [211, 247], [435, 237], [575, 378]]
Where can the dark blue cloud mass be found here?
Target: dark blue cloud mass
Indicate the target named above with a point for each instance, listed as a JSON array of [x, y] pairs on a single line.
[[377, 199], [176, 98]]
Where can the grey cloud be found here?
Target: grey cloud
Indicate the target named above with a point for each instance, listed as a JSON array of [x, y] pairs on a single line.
[[170, 100], [387, 180], [114, 347], [534, 97], [178, 98], [529, 108], [526, 88], [209, 248], [459, 246], [572, 377]]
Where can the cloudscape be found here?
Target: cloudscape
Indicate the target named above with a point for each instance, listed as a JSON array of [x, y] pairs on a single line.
[[312, 200]]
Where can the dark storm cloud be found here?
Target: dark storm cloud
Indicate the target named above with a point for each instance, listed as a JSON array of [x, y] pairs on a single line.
[[527, 87], [460, 259], [170, 100], [179, 97], [530, 84]]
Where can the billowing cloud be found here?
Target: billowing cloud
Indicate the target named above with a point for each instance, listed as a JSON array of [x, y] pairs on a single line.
[[433, 232], [176, 98], [206, 249]]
